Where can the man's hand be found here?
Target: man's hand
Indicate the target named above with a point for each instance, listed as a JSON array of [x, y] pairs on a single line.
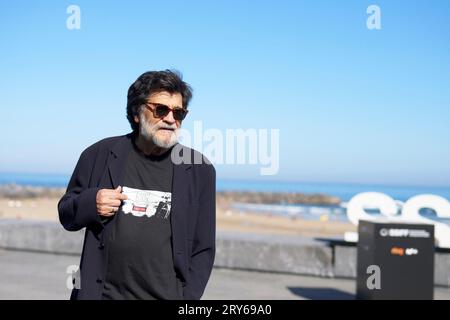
[[109, 201]]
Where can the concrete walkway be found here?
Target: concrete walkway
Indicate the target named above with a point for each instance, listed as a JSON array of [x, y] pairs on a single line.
[[31, 275]]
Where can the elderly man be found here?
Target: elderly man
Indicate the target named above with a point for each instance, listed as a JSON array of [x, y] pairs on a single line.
[[150, 221]]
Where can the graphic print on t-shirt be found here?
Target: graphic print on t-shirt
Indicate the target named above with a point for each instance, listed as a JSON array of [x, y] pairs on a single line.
[[147, 203]]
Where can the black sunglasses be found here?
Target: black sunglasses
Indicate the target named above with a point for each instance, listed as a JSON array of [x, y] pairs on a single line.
[[161, 110]]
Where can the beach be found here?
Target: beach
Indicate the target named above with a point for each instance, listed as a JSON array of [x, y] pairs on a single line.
[[41, 204]]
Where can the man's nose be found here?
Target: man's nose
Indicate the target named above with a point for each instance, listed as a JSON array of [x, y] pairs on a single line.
[[169, 118]]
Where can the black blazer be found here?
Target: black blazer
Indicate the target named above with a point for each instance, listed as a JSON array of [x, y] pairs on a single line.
[[192, 215]]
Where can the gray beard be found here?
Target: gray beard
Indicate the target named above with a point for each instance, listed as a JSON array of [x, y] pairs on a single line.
[[149, 133]]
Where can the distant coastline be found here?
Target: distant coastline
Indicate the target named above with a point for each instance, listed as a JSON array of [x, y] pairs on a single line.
[[342, 191], [225, 198]]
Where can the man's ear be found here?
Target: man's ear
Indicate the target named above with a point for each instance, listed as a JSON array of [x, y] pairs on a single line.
[[136, 119]]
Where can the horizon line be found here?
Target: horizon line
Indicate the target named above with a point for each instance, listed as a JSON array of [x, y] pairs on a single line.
[[347, 183]]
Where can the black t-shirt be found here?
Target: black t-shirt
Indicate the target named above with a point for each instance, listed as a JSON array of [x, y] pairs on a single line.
[[139, 250]]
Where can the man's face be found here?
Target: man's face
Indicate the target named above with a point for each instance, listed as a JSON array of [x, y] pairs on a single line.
[[162, 131]]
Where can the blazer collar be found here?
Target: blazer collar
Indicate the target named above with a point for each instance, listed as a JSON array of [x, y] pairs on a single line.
[[118, 157]]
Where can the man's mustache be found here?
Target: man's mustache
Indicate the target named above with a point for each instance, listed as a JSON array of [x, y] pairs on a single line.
[[166, 127]]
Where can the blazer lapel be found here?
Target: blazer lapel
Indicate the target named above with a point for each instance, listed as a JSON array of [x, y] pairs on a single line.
[[117, 160]]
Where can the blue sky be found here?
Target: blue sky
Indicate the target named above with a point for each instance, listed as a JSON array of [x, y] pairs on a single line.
[[352, 105]]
